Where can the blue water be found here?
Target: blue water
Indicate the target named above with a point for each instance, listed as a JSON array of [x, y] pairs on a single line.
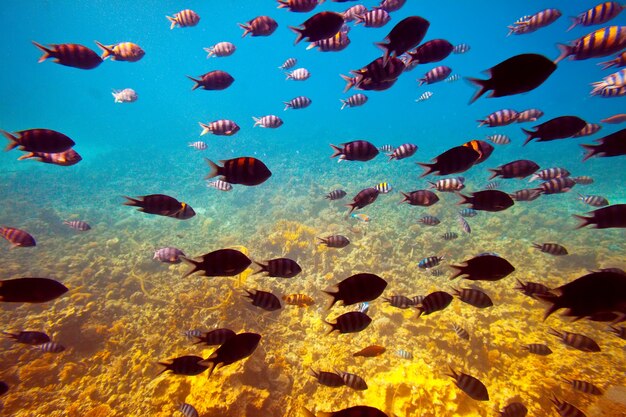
[[141, 148]]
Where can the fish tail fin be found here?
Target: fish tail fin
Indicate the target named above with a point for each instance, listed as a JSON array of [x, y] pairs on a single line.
[[214, 170], [464, 199], [287, 105], [553, 332], [246, 29], [47, 53], [205, 128], [352, 208], [428, 168], [591, 151], [195, 265], [385, 48], [195, 81], [173, 20], [483, 87], [12, 141], [263, 268], [106, 50], [536, 246], [584, 221], [333, 327], [337, 151], [358, 19], [607, 64], [257, 121], [298, 32], [494, 173], [133, 202], [209, 51], [28, 155], [349, 82], [167, 365], [529, 136], [459, 271], [575, 22], [405, 197], [566, 51]]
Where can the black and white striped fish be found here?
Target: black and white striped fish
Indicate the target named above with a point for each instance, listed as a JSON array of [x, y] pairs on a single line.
[[461, 48], [270, 121], [499, 139], [435, 301], [299, 102], [565, 409], [470, 385], [335, 195], [461, 332], [354, 101], [425, 96], [188, 410], [583, 386], [386, 148], [198, 145], [549, 173], [373, 19], [468, 212], [576, 340], [551, 248], [399, 301], [452, 78], [219, 185], [404, 354], [449, 236], [403, 151], [363, 307], [353, 381], [538, 349], [593, 200], [220, 49], [436, 272], [288, 64], [222, 127], [474, 297], [429, 220], [192, 333], [464, 224], [51, 347], [78, 225], [299, 74]]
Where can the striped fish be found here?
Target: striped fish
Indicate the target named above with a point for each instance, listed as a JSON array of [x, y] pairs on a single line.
[[70, 55], [169, 255], [452, 78], [531, 288], [299, 74], [270, 121], [17, 237], [351, 322], [51, 347], [184, 18], [124, 51], [353, 381], [602, 42], [336, 43], [576, 340], [334, 241], [219, 185], [198, 145], [565, 409], [288, 64], [335, 195], [618, 331], [597, 15], [300, 300], [449, 236], [526, 194], [557, 185], [266, 300], [299, 102], [448, 184], [399, 301], [616, 80], [461, 48], [470, 385], [373, 19], [425, 96], [518, 26], [215, 337], [436, 272], [351, 13], [468, 212], [354, 101], [436, 74], [529, 115], [514, 409], [499, 139], [618, 61], [404, 354], [435, 301], [188, 410], [384, 187], [390, 5], [363, 307], [430, 262], [583, 386], [464, 224], [222, 127], [593, 200], [538, 349], [403, 151], [493, 185], [612, 92], [220, 49], [78, 225], [192, 333], [473, 297], [461, 332], [536, 21], [386, 148], [329, 379], [551, 248], [549, 173], [429, 220], [299, 6], [499, 118], [417, 299]]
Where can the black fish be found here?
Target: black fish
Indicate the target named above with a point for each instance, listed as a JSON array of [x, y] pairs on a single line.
[[184, 365], [356, 411], [336, 195], [244, 170], [557, 128], [605, 217], [234, 349], [591, 294], [213, 80], [576, 340], [399, 301], [266, 300], [351, 322], [219, 263], [515, 75], [364, 198], [610, 145], [378, 71], [435, 301], [423, 198], [452, 161], [473, 297], [431, 51], [483, 148], [514, 409], [4, 388], [357, 288], [334, 241], [470, 385], [159, 204], [405, 35], [29, 337], [538, 349], [215, 337], [30, 290], [487, 200], [329, 379], [280, 267], [320, 26], [484, 268], [521, 168], [38, 140], [358, 150], [531, 288]]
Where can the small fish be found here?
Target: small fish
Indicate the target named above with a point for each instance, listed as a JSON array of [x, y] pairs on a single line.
[[461, 332], [271, 121], [198, 145], [38, 141], [124, 51], [599, 43], [371, 351], [219, 263], [161, 205], [429, 220], [353, 381], [468, 212], [430, 262], [550, 173], [404, 354], [435, 301], [220, 49], [300, 300], [520, 168], [461, 48], [417, 299], [67, 158], [583, 180], [436, 272], [192, 333], [583, 386], [499, 118], [363, 198], [452, 78], [387, 148], [215, 337], [423, 198], [551, 248], [357, 288], [222, 127], [536, 21], [299, 74], [266, 300], [169, 255], [297, 103], [329, 379], [127, 95], [514, 409], [351, 322], [436, 74], [565, 409], [29, 337], [597, 15], [403, 151], [319, 26], [219, 185], [425, 96], [288, 64], [492, 185], [488, 200], [556, 185], [335, 195], [399, 301], [334, 241], [362, 217], [448, 184], [259, 26], [51, 347], [538, 349], [527, 194], [618, 61], [449, 236], [350, 14], [78, 225], [188, 410], [354, 101], [588, 130], [576, 340], [474, 297], [373, 19], [464, 224], [384, 187], [499, 139], [470, 385], [615, 119], [233, 350], [184, 18], [279, 268], [532, 288], [363, 307], [529, 115], [298, 6]]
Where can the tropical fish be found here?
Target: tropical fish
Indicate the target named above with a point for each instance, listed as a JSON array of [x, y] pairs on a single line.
[[532, 288], [288, 64], [390, 5], [198, 145], [213, 80], [576, 340], [159, 204], [448, 184], [124, 51], [184, 18], [399, 301], [473, 297], [597, 15], [550, 173], [583, 386], [452, 78], [350, 14], [188, 410], [4, 388], [334, 241], [66, 158], [219, 185], [608, 146], [425, 96], [184, 365], [452, 161], [423, 198], [551, 248], [70, 55], [169, 254], [436, 74], [259, 26], [336, 195], [358, 150], [556, 185], [565, 409], [435, 301], [356, 411], [487, 200], [499, 118], [521, 168], [536, 21], [363, 307], [470, 385], [354, 101], [38, 140], [296, 103], [449, 236], [29, 337], [361, 217], [351, 322], [468, 212], [618, 61], [404, 354], [434, 50], [127, 95], [461, 48], [461, 332], [383, 187], [234, 349], [279, 267], [51, 347], [270, 121], [300, 6], [221, 49], [593, 200], [499, 139], [320, 26], [17, 237], [219, 263], [538, 349], [353, 381], [615, 119], [300, 300], [357, 288], [481, 147], [299, 74], [429, 220], [430, 262], [618, 331], [484, 268], [336, 43], [599, 43], [514, 409], [375, 18], [214, 337], [329, 379], [406, 34], [243, 170], [557, 128], [492, 185], [526, 194], [529, 115], [363, 198], [222, 127], [266, 300], [588, 130]]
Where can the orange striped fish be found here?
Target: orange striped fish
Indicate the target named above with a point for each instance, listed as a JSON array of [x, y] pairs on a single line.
[[597, 15], [124, 51], [66, 159], [17, 237], [602, 42], [184, 18], [537, 21]]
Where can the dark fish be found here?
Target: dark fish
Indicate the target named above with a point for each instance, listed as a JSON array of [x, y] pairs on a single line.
[[358, 150], [65, 159], [353, 381], [51, 347], [375, 18], [583, 386], [213, 80], [329, 379], [531, 288], [270, 121], [30, 290], [557, 128], [186, 213], [602, 42], [470, 385], [29, 337], [461, 332], [619, 332], [435, 75], [371, 351], [300, 6], [521, 168], [403, 151], [529, 115], [215, 337], [483, 148], [432, 51], [484, 268], [351, 322], [266, 300], [551, 248], [473, 297], [452, 161], [449, 236], [550, 173], [468, 212], [514, 409], [610, 145], [159, 204], [407, 34], [219, 263], [526, 194], [435, 301], [538, 349], [336, 195], [184, 365], [399, 301], [184, 18], [38, 141], [17, 237], [565, 409], [300, 300], [356, 411], [499, 118], [334, 241], [576, 340], [70, 55], [423, 198], [429, 220], [487, 200], [280, 267], [364, 198], [605, 217], [430, 262], [234, 349], [78, 225], [556, 185], [188, 410], [244, 170], [296, 103], [259, 26], [515, 75], [4, 388], [320, 26], [390, 5], [357, 288]]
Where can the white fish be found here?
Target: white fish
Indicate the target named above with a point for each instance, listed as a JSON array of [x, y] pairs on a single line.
[[199, 145], [127, 95], [425, 96]]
